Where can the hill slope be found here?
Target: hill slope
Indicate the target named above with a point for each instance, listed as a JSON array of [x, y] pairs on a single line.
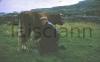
[[88, 7]]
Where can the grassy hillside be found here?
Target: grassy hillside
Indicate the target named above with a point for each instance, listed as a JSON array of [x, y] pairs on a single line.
[[78, 49]]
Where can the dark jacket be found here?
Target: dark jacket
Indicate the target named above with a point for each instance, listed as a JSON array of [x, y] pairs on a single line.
[[49, 39]]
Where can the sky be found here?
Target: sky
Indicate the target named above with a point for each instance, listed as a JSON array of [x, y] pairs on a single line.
[[26, 5]]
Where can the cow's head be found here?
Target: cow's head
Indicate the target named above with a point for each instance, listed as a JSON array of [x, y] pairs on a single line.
[[56, 19]]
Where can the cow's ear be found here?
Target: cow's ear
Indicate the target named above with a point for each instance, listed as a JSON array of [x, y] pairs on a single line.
[[62, 15]]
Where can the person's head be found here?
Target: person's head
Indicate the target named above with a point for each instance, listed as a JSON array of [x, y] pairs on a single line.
[[43, 18]]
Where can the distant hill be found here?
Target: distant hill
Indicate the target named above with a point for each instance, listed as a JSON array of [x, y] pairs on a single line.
[[88, 7], [1, 14]]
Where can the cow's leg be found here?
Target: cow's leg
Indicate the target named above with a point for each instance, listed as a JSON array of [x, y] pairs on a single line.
[[23, 37], [35, 37]]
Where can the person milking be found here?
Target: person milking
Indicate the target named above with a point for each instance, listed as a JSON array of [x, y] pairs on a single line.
[[49, 37]]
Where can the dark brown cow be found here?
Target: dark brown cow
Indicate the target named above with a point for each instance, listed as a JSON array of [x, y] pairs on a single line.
[[29, 22]]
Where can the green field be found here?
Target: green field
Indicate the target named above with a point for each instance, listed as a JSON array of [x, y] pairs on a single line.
[[78, 49]]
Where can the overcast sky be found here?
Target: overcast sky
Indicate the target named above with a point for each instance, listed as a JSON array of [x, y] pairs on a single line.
[[22, 5]]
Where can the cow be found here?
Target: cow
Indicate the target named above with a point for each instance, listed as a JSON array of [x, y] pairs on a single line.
[[32, 21]]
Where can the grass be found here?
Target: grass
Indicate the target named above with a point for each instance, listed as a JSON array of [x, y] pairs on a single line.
[[78, 49]]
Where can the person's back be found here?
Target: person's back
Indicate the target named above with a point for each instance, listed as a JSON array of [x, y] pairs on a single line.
[[49, 39]]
